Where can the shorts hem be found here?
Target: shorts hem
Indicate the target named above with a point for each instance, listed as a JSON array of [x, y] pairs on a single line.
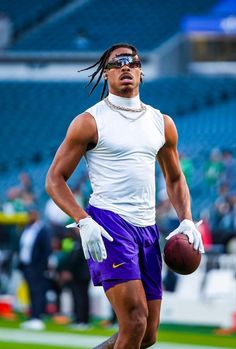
[[98, 282], [152, 297]]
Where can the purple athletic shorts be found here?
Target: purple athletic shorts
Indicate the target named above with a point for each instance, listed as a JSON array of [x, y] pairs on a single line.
[[134, 254]]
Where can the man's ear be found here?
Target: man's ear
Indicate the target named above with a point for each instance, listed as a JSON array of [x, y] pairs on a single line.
[[105, 74]]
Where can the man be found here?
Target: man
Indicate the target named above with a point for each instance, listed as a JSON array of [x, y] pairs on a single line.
[[35, 249], [121, 138]]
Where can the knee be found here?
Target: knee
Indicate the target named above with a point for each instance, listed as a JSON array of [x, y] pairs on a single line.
[[139, 324], [136, 324]]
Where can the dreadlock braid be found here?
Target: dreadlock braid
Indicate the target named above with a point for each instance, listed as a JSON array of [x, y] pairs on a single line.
[[101, 64]]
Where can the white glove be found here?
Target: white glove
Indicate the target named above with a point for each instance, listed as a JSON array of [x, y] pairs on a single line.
[[188, 228], [91, 236]]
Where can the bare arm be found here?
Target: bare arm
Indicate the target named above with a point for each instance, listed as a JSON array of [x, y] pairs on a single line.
[[81, 132], [176, 185]]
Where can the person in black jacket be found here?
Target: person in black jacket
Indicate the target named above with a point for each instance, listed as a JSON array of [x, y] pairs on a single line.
[[79, 286], [35, 248], [74, 275]]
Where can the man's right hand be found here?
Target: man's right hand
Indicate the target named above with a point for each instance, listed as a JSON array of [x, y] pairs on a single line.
[[91, 236]]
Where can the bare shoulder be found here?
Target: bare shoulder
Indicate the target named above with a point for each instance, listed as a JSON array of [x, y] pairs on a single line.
[[171, 134], [84, 120], [83, 128]]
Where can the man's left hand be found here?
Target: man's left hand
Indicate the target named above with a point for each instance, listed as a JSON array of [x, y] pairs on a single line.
[[188, 228]]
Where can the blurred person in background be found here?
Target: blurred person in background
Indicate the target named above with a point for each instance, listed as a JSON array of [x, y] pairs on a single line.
[[223, 208], [28, 199], [34, 252], [71, 272], [20, 196], [165, 213], [26, 184], [222, 215], [214, 168], [79, 286], [119, 236], [13, 202], [229, 173], [187, 167]]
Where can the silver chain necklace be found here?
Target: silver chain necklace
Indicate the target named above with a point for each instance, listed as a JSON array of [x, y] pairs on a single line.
[[118, 109]]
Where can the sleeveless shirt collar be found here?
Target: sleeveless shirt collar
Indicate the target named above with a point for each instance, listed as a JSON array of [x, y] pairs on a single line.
[[133, 102]]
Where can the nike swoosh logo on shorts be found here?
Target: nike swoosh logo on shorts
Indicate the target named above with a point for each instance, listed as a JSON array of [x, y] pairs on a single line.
[[117, 265]]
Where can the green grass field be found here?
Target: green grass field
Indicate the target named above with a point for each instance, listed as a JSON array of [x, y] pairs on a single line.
[[192, 335]]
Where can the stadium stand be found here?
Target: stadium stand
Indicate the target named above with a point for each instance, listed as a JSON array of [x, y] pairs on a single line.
[[140, 24], [25, 15]]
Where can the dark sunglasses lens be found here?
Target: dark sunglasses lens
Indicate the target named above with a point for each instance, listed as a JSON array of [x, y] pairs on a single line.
[[114, 64], [120, 62], [135, 64]]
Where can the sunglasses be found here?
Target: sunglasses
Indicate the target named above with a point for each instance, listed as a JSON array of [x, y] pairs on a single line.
[[119, 62]]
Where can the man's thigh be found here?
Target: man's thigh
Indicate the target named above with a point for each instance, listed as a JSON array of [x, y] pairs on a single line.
[[128, 300]]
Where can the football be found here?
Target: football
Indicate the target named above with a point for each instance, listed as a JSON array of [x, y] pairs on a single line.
[[180, 256]]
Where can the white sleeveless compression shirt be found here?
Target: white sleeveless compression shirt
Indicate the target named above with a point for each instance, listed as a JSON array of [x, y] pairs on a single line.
[[122, 165]]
